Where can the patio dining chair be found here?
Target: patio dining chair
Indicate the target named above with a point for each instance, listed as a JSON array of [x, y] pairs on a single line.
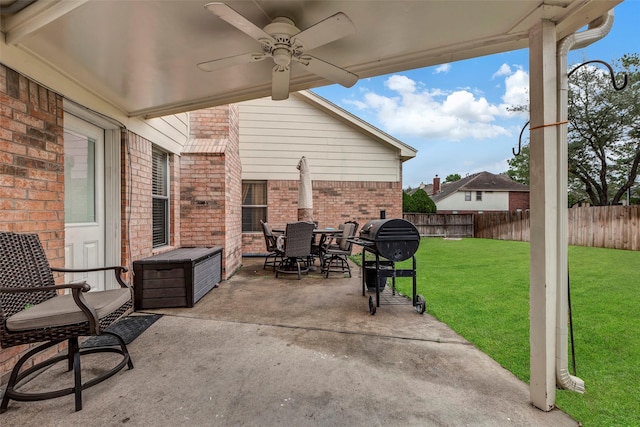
[[33, 310], [335, 255], [297, 248], [274, 255]]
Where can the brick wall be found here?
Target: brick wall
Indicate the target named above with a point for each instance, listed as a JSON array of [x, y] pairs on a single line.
[[211, 184], [137, 202], [137, 224], [31, 172], [233, 195], [202, 197], [518, 200], [334, 202]]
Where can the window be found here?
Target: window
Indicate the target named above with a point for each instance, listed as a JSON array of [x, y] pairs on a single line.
[[254, 205], [478, 196], [467, 196], [79, 178], [160, 183]]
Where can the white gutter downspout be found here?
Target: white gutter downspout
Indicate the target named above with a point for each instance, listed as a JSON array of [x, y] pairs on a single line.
[[597, 29]]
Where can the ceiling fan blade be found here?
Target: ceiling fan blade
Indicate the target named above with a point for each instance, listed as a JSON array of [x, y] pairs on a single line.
[[240, 22], [333, 28], [328, 71], [230, 61], [280, 82]]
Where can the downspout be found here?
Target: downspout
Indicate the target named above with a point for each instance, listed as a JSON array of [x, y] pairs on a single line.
[[597, 29]]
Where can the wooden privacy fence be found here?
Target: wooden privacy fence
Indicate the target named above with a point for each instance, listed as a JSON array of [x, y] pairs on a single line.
[[442, 225], [502, 225], [616, 227]]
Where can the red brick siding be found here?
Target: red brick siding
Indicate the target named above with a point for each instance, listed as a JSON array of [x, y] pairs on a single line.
[[518, 200], [31, 172], [202, 206], [334, 202], [137, 201], [233, 196], [211, 187]]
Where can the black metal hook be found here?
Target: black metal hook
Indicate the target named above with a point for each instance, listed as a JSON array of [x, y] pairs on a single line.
[[611, 73], [613, 83], [513, 150]]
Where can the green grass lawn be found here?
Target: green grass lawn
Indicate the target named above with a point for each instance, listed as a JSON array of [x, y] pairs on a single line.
[[480, 288]]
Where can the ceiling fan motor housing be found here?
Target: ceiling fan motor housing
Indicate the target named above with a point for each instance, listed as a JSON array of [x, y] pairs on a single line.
[[284, 42], [281, 29]]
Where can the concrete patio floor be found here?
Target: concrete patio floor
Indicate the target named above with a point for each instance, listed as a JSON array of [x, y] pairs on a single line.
[[260, 351]]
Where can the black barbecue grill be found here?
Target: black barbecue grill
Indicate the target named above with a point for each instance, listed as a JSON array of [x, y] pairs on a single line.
[[390, 241], [394, 239]]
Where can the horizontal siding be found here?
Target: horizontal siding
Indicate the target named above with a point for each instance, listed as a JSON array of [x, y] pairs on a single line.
[[168, 132], [274, 136], [496, 201]]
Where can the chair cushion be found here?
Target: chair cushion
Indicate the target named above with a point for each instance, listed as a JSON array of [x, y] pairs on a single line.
[[62, 310], [344, 244]]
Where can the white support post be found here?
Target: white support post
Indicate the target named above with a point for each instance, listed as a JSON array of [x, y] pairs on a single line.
[[544, 210]]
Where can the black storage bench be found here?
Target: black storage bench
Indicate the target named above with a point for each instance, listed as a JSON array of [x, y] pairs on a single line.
[[178, 278]]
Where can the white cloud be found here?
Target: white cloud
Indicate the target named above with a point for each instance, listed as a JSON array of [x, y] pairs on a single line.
[[444, 68], [358, 104], [517, 88], [411, 109], [463, 104], [516, 94], [401, 84], [504, 70], [434, 113]]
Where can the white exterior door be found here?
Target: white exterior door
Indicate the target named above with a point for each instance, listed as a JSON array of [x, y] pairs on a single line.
[[84, 207]]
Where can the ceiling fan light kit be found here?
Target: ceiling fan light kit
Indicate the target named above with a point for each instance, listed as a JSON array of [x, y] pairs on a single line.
[[283, 42]]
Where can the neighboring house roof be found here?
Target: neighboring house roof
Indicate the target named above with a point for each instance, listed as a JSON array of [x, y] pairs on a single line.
[[482, 181], [406, 151]]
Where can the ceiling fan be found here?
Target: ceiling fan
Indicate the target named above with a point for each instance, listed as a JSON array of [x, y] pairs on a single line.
[[285, 43]]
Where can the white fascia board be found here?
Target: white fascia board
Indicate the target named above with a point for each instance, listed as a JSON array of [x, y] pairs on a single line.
[[36, 16]]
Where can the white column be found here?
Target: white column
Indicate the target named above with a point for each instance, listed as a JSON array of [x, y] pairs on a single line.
[[544, 210]]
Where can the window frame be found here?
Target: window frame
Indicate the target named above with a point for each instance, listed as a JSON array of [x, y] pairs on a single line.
[[264, 206], [478, 196], [160, 181], [467, 196]]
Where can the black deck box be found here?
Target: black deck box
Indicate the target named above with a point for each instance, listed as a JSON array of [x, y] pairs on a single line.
[[178, 278]]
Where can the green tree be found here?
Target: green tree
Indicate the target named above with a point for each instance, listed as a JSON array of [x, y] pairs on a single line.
[[519, 166], [604, 133], [422, 203], [453, 177], [407, 202], [604, 136]]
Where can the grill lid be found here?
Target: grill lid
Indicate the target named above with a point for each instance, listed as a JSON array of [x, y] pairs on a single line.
[[395, 239], [389, 229]]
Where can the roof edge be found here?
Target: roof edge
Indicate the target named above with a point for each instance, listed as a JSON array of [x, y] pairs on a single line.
[[406, 151]]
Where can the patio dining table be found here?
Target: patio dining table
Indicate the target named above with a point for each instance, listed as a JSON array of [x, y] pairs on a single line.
[[324, 233]]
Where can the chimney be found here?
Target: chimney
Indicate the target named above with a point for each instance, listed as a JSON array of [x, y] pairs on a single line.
[[436, 186]]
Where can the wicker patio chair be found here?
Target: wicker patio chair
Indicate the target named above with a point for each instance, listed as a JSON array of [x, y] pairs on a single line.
[[335, 255], [274, 256], [297, 248], [32, 311]]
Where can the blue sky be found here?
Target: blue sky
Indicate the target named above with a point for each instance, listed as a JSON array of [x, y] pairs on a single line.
[[456, 114]]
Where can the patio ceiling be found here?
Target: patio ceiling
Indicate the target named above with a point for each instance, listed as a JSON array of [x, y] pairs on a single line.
[[141, 56]]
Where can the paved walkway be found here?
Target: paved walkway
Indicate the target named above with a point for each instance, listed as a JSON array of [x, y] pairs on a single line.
[[260, 351]]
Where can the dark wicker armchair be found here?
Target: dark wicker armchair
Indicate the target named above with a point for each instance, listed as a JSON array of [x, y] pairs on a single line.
[[33, 311], [334, 255], [274, 256], [297, 248]]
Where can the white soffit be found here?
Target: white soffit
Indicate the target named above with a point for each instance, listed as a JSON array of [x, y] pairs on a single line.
[[141, 56]]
